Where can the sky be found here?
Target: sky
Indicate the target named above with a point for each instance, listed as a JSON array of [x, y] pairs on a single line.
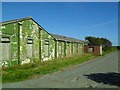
[[72, 19]]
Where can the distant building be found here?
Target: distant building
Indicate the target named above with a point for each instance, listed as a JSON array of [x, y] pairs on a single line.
[[96, 50]]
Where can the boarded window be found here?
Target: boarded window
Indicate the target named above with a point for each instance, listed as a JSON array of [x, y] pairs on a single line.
[[80, 48], [68, 49], [46, 48], [91, 49], [5, 48], [74, 48], [30, 48], [60, 48]]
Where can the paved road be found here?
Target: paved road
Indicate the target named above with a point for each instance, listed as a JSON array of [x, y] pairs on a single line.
[[98, 73]]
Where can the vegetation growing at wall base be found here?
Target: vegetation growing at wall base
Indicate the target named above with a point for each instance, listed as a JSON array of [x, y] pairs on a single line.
[[27, 71]]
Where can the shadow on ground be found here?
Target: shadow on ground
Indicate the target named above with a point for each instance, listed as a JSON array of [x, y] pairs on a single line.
[[111, 78]]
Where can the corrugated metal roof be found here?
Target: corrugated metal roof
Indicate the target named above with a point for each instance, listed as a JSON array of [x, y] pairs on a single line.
[[68, 39], [12, 21]]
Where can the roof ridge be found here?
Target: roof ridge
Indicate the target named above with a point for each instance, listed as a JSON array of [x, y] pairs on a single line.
[[73, 39], [61, 35], [15, 20]]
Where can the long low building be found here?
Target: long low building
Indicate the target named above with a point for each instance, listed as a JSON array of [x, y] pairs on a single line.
[[24, 40]]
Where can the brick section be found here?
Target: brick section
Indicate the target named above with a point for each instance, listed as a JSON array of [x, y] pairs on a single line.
[[96, 50]]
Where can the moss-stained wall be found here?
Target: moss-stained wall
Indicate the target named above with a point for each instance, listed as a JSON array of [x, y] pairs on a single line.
[[68, 48], [19, 34], [60, 49], [80, 48], [74, 48], [29, 30], [11, 31], [29, 42], [44, 36]]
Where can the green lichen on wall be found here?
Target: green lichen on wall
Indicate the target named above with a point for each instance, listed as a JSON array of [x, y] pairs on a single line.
[[28, 43], [29, 30], [68, 48], [60, 53], [47, 37], [81, 48], [11, 31], [76, 48]]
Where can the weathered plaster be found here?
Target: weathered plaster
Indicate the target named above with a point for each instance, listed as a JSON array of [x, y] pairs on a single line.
[[20, 32]]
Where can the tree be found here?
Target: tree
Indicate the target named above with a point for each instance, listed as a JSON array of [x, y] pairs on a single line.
[[98, 41]]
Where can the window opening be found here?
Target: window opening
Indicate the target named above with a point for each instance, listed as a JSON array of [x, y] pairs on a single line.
[[30, 48], [60, 48], [5, 48], [91, 49], [46, 48]]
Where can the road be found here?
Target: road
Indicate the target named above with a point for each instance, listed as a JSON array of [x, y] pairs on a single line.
[[101, 72]]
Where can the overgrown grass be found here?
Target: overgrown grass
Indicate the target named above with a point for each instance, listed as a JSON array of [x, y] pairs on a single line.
[[27, 71]]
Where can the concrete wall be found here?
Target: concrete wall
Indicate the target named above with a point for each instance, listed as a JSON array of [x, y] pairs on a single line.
[[20, 33], [44, 36], [68, 49], [60, 49], [11, 31], [29, 30], [29, 42]]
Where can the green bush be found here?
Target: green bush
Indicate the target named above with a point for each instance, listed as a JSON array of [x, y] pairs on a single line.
[[107, 50], [118, 47], [111, 48]]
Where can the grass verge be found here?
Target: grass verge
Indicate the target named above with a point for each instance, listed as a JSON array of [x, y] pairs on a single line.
[[27, 71]]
